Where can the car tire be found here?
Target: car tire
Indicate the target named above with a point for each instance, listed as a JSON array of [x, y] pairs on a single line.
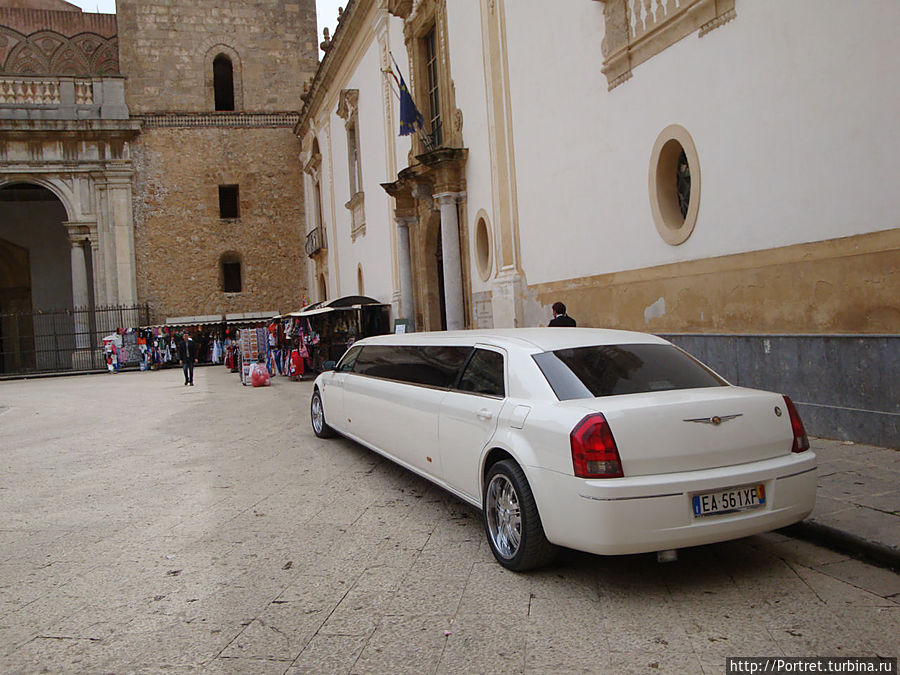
[[317, 417], [511, 520]]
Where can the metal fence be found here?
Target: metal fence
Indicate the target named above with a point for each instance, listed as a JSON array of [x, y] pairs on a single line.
[[66, 340]]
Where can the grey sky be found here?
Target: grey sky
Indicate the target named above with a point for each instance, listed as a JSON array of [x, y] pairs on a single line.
[[325, 9]]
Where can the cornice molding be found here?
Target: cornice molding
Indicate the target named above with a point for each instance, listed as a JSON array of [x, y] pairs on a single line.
[[342, 43], [635, 33], [348, 104]]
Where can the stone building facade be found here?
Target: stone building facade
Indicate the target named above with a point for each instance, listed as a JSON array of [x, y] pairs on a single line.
[[148, 156], [66, 230], [218, 215]]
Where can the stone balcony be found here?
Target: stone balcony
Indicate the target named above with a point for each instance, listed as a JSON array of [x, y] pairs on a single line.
[[62, 98]]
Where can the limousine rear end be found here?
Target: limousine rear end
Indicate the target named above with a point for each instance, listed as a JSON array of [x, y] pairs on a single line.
[[610, 442]]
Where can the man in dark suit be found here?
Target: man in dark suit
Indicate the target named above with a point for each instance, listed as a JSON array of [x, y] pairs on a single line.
[[187, 353], [560, 318]]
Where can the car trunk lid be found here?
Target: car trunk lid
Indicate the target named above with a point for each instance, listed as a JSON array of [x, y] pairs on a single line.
[[695, 429]]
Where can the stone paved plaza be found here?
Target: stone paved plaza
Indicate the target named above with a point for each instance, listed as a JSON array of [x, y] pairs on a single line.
[[149, 527]]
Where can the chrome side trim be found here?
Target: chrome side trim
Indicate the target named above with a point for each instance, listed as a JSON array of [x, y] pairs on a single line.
[[622, 499], [799, 473]]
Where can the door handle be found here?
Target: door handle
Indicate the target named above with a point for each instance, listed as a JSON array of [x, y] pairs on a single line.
[[484, 414]]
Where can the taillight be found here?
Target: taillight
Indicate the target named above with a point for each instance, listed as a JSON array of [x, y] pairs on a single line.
[[594, 451], [801, 442]]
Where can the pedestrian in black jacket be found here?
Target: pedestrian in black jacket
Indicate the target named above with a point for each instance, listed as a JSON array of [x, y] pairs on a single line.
[[560, 318], [187, 354]]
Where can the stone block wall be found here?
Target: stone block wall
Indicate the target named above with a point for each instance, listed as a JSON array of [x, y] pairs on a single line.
[[180, 238], [167, 48]]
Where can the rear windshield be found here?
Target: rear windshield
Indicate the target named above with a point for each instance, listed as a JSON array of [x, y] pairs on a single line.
[[609, 370]]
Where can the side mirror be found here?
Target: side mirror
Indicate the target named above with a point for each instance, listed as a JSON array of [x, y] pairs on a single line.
[[329, 365]]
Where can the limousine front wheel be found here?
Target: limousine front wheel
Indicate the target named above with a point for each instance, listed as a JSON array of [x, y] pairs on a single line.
[[511, 520], [317, 416]]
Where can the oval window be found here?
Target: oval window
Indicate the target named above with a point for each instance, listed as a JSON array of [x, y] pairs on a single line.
[[674, 184], [483, 249]]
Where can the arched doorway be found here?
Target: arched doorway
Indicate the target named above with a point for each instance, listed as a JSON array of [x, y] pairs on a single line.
[[38, 328], [31, 218], [429, 276]]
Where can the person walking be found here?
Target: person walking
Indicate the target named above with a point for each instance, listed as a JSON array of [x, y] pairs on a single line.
[[187, 353], [560, 318]]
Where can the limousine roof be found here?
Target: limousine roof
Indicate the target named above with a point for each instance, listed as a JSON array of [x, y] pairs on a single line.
[[539, 339]]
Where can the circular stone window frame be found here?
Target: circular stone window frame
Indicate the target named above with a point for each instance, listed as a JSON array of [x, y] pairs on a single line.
[[483, 246], [671, 225]]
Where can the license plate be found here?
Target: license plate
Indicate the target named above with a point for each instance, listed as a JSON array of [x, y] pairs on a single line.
[[730, 500]]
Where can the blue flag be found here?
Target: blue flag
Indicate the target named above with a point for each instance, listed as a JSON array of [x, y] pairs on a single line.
[[410, 117]]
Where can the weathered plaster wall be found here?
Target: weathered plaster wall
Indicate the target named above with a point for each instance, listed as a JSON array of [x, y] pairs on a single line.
[[848, 285]]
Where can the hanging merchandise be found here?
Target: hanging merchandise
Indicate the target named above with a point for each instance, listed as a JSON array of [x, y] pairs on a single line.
[[296, 367]]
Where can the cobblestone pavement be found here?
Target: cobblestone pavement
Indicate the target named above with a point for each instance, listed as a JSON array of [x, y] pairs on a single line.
[[858, 501], [150, 527]]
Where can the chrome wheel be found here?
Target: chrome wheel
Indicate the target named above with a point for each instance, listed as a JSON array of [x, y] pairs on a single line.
[[504, 516], [317, 417], [511, 519]]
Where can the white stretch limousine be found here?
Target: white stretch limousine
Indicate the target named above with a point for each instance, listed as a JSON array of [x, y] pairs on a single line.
[[604, 441]]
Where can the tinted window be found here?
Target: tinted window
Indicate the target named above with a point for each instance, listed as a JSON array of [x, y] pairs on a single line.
[[484, 374], [432, 366], [609, 370], [348, 360]]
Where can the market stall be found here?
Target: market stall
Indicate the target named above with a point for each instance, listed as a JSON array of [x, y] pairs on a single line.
[[330, 327], [246, 339]]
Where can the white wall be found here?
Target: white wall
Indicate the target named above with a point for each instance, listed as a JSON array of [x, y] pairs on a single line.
[[373, 250], [468, 73], [792, 107]]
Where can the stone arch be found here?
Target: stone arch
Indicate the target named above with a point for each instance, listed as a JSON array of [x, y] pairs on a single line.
[[59, 189], [9, 39], [27, 59], [69, 61], [211, 50], [105, 60], [34, 217]]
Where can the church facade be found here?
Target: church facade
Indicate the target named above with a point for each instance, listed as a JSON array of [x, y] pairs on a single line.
[[709, 170], [148, 156]]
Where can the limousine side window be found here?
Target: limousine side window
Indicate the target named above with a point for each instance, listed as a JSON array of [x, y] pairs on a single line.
[[484, 374], [430, 366], [348, 360]]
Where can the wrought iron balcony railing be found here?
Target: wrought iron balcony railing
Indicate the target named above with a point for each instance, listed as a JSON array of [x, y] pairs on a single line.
[[315, 241]]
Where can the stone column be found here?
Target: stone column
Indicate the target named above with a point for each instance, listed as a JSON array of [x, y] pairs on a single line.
[[120, 212], [80, 299], [453, 286], [407, 304], [99, 289], [107, 241]]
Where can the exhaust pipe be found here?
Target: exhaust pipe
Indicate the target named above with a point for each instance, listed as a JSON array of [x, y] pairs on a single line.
[[669, 555]]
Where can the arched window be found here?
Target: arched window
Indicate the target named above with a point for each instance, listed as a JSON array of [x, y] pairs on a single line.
[[230, 264], [223, 82], [360, 285], [323, 288]]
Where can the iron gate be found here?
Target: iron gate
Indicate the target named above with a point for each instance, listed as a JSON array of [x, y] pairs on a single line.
[[66, 340]]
